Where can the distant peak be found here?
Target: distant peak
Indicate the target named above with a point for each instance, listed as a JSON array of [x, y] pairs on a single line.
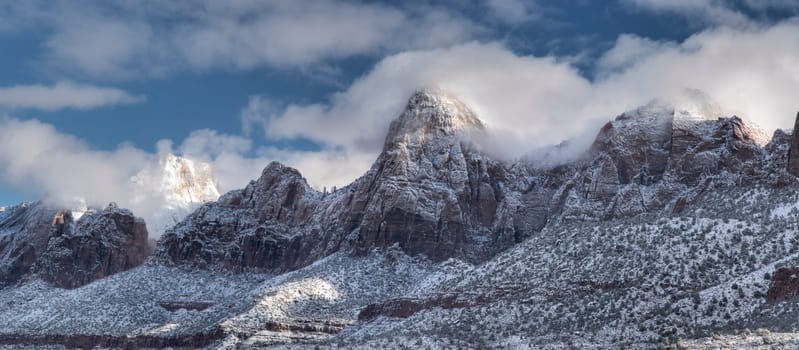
[[433, 111]]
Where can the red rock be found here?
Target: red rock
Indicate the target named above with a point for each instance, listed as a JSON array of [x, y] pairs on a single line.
[[784, 285]]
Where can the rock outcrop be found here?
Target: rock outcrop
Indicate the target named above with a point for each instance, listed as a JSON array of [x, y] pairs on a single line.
[[69, 252], [433, 193], [429, 192], [98, 245], [784, 285], [659, 156]]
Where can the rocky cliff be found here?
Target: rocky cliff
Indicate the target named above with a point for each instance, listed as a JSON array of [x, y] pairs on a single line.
[[99, 244], [433, 193], [24, 233], [67, 251], [428, 192], [678, 222]]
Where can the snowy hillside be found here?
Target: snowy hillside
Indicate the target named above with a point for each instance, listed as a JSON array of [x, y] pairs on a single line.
[[676, 228]]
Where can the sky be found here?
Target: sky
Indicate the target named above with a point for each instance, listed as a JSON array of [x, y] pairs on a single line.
[[91, 92]]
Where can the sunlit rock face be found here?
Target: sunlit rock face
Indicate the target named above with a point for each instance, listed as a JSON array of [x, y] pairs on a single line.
[[171, 189]]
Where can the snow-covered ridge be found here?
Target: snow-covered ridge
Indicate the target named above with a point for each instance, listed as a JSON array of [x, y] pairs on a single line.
[[666, 228]]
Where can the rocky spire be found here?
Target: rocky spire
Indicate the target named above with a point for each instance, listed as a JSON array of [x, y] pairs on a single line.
[[793, 154]]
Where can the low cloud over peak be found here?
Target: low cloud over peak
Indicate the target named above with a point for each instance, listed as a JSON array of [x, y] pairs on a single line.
[[530, 102]]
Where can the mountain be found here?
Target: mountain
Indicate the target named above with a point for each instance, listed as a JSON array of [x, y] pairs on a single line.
[[172, 188], [677, 225], [428, 192], [71, 247], [68, 249]]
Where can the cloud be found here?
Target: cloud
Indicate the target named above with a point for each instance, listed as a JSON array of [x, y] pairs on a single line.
[[512, 11], [206, 144], [126, 40], [765, 5], [628, 50], [36, 156], [503, 88], [530, 102], [732, 13], [63, 95], [750, 72], [708, 12]]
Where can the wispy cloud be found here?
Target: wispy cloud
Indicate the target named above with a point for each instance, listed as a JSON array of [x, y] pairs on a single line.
[[512, 11], [63, 95], [732, 13], [134, 39]]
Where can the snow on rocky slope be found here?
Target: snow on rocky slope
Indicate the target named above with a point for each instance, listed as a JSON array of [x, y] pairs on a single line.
[[678, 225], [39, 242]]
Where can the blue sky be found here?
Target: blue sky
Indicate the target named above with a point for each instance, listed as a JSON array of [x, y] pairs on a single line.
[[315, 83]]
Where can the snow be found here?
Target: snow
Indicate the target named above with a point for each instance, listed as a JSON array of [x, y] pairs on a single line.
[[174, 187], [641, 280]]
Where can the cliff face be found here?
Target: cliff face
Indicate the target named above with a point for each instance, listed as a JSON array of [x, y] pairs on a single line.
[[432, 193], [24, 233], [97, 245], [429, 192], [69, 252], [670, 225]]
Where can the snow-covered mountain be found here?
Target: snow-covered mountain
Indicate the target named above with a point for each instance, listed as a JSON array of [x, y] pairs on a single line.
[[677, 225], [172, 188]]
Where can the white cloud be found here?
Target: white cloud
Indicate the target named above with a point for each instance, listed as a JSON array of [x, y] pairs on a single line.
[[529, 102], [763, 5], [323, 169], [206, 144], [505, 89], [750, 72], [37, 157], [628, 50], [64, 170], [63, 95], [716, 12], [159, 38]]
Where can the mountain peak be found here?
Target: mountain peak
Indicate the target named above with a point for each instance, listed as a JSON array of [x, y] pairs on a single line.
[[433, 111]]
